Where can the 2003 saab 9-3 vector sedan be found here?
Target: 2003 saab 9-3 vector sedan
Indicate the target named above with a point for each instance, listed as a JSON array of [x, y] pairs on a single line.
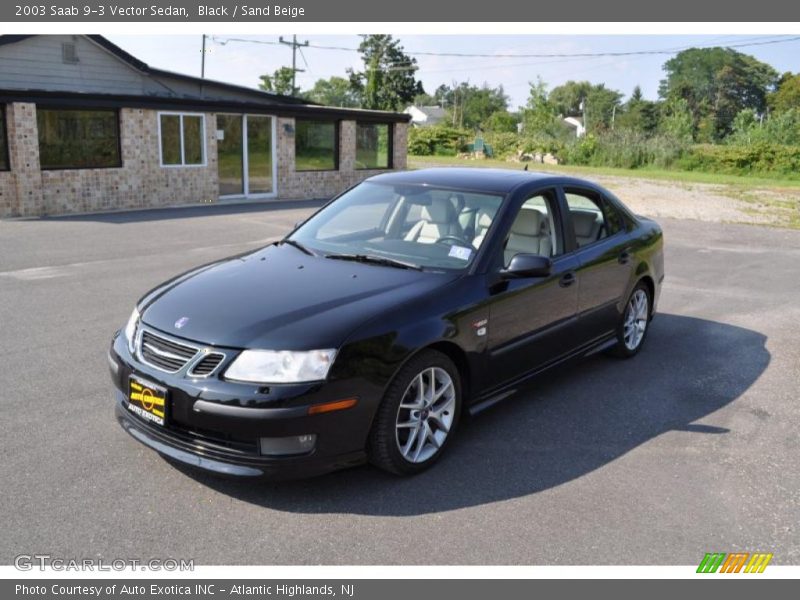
[[407, 302]]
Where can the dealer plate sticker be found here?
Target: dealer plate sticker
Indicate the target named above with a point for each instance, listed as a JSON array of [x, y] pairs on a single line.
[[147, 400]]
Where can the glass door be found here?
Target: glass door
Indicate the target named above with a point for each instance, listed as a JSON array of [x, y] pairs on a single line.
[[259, 155], [230, 155], [245, 148]]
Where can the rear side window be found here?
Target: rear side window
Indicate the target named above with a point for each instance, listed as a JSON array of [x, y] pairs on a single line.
[[593, 217]]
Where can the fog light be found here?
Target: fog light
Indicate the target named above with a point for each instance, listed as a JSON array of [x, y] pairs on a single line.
[[286, 446]]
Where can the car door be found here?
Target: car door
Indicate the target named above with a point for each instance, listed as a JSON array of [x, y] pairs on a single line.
[[531, 320], [602, 246]]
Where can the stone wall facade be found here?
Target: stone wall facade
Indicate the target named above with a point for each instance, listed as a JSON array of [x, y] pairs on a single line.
[[141, 182]]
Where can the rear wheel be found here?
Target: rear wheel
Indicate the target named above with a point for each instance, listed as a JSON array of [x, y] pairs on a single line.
[[418, 415], [632, 329]]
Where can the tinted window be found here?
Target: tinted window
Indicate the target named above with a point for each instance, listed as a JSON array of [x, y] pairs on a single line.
[[315, 145], [592, 217], [373, 145], [78, 139]]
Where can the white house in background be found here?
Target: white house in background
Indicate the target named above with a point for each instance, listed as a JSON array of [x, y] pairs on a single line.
[[577, 124], [425, 116]]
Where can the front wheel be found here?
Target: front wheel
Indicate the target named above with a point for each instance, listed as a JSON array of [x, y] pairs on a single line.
[[418, 415], [633, 326]]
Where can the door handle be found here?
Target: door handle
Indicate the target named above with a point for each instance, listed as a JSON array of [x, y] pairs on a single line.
[[567, 279], [625, 257]]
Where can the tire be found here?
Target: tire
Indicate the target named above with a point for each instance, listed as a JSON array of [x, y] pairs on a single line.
[[411, 431], [634, 323]]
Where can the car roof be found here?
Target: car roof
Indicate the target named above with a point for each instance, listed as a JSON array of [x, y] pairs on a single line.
[[478, 179]]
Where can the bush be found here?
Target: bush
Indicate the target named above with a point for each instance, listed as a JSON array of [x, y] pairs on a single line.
[[624, 149], [743, 159], [439, 140]]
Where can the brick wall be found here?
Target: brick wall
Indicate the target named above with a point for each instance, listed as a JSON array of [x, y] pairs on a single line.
[[142, 182]]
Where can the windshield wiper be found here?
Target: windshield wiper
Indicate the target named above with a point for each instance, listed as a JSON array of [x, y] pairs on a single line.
[[376, 260], [297, 245]]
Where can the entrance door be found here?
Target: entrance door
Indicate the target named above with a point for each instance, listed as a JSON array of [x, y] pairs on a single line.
[[245, 150]]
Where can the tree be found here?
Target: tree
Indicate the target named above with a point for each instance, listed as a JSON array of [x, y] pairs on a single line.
[[470, 105], [539, 117], [280, 82], [717, 83], [501, 121], [638, 114], [787, 95], [335, 91], [599, 103], [676, 120], [388, 81]]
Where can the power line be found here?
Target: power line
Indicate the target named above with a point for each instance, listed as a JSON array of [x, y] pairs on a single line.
[[663, 51]]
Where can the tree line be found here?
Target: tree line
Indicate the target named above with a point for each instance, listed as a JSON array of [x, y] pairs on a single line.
[[708, 97]]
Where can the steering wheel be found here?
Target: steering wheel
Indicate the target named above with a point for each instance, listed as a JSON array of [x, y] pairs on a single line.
[[451, 238]]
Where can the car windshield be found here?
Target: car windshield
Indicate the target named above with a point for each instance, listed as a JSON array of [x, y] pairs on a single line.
[[402, 225]]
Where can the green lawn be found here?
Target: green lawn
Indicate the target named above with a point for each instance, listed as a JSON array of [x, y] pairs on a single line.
[[419, 162]]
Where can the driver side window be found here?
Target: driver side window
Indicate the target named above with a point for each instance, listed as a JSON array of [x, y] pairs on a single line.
[[534, 230]]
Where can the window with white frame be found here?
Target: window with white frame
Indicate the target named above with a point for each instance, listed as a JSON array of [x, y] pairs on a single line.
[[182, 139]]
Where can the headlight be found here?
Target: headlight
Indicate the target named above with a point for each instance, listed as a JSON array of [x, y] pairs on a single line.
[[281, 366], [130, 329]]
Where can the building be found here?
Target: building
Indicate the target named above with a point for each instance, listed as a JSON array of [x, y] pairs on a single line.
[[85, 126], [425, 116]]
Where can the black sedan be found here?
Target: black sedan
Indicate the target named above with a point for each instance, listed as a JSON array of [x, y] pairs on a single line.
[[408, 302]]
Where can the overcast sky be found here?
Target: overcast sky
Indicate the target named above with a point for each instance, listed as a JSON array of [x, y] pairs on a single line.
[[242, 63]]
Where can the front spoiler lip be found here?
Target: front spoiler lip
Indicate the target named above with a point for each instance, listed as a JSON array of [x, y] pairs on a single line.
[[250, 467]]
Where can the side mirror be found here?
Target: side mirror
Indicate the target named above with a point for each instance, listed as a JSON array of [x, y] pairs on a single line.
[[527, 265]]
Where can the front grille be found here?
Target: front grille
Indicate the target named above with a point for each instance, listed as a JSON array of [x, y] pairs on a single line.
[[165, 354], [207, 364]]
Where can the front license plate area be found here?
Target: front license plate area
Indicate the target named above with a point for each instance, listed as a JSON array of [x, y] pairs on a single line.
[[147, 400]]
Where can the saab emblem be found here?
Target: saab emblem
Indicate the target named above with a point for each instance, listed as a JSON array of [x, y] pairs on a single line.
[[181, 322]]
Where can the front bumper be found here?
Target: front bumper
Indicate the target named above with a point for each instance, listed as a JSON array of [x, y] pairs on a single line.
[[215, 425]]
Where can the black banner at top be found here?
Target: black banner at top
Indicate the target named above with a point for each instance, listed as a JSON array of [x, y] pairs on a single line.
[[406, 11]]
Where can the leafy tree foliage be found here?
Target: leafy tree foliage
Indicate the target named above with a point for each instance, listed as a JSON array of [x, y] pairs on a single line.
[[471, 106], [387, 81], [717, 83], [787, 96], [335, 91], [280, 82]]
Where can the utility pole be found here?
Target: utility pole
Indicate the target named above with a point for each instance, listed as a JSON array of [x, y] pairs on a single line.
[[295, 45], [203, 59]]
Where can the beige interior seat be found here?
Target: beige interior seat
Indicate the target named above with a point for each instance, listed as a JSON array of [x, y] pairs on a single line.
[[528, 235], [587, 225], [483, 220], [438, 220]]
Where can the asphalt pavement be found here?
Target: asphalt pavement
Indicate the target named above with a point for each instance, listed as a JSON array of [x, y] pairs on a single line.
[[689, 448]]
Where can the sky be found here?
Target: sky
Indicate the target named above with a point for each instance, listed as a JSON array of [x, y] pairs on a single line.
[[242, 62]]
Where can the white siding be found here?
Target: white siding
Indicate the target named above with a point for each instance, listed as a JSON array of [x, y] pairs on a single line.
[[36, 64]]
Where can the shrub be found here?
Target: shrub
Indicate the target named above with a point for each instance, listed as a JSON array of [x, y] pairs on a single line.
[[743, 159], [439, 140]]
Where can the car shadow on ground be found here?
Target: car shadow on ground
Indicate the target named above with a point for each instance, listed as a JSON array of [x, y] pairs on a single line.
[[188, 212], [562, 426]]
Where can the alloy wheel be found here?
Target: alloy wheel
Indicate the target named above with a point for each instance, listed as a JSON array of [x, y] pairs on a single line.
[[425, 415], [636, 315]]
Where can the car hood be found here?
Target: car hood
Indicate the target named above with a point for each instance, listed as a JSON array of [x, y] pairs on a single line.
[[281, 298]]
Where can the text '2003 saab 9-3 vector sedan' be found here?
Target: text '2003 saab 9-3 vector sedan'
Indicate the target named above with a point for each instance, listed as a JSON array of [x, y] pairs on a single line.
[[365, 334]]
